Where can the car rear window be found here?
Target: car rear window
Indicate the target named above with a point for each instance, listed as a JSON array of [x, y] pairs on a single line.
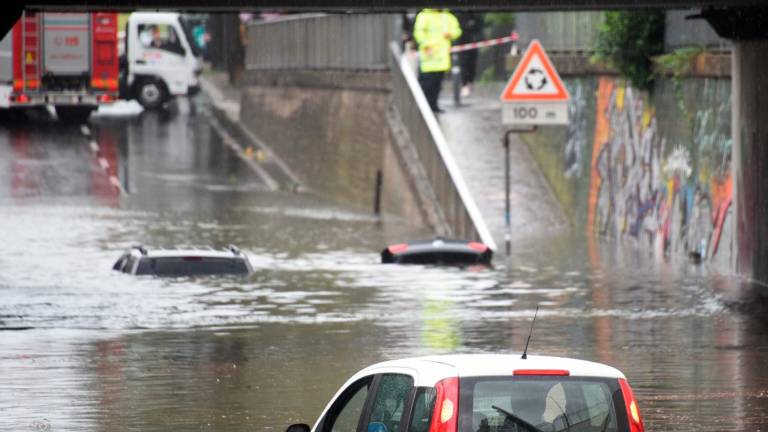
[[547, 404], [191, 266]]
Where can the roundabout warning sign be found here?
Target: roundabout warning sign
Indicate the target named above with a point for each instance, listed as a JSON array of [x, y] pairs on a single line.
[[535, 94]]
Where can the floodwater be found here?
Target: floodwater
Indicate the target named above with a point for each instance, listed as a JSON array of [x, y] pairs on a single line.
[[85, 349]]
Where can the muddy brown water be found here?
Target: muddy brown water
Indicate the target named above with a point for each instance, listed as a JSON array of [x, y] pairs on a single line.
[[85, 349]]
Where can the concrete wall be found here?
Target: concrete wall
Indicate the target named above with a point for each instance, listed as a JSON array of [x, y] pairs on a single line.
[[330, 128], [751, 157], [652, 169]]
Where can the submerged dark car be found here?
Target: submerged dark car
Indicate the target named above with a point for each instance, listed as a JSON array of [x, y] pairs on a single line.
[[183, 262], [438, 251]]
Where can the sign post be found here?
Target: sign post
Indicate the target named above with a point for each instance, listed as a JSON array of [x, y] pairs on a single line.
[[534, 96]]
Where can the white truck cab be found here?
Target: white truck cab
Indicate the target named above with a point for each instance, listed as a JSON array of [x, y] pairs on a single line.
[[161, 59]]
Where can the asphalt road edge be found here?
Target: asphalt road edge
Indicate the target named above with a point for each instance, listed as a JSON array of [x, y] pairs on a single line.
[[225, 117]]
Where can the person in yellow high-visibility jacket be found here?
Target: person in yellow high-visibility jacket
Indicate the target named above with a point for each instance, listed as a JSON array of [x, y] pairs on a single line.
[[434, 30]]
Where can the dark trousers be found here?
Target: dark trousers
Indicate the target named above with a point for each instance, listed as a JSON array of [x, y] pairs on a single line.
[[468, 63], [430, 84]]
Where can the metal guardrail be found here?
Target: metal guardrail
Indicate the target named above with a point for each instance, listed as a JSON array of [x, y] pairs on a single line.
[[451, 191], [320, 41], [577, 31], [559, 31]]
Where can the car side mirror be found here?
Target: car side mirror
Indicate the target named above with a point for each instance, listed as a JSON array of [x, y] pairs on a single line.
[[298, 427]]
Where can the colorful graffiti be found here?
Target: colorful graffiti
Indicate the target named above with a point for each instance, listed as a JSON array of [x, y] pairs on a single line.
[[672, 196], [576, 133]]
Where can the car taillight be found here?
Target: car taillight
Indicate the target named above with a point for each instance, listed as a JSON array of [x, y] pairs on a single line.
[[633, 412], [398, 248], [192, 258], [446, 413], [478, 246]]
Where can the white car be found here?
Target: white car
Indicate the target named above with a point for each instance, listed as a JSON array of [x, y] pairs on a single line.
[[482, 393]]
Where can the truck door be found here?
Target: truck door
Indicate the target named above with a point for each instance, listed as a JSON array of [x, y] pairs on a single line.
[[160, 52], [66, 50]]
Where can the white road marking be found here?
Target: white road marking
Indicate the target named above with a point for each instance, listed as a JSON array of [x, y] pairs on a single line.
[[103, 162], [116, 183], [230, 142]]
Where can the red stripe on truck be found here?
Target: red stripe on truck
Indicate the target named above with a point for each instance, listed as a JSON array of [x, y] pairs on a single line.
[[104, 63], [66, 27], [17, 58]]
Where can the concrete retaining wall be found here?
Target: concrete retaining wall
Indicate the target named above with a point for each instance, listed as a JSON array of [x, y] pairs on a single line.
[[330, 128]]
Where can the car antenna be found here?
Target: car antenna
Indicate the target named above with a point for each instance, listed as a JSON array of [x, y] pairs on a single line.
[[530, 333]]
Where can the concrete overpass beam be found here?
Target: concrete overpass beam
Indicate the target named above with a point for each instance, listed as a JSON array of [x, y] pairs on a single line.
[[745, 26], [750, 156]]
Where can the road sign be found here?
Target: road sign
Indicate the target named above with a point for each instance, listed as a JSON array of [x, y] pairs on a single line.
[[534, 113], [535, 94]]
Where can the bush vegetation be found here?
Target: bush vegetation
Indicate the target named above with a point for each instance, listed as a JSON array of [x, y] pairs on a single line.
[[628, 40]]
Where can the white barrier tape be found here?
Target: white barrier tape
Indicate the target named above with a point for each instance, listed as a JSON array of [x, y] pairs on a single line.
[[513, 37]]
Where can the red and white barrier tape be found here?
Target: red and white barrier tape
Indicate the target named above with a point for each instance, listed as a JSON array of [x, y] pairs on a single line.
[[513, 37]]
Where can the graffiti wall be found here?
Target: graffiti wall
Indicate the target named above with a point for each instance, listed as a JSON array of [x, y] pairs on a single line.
[[648, 168], [563, 153]]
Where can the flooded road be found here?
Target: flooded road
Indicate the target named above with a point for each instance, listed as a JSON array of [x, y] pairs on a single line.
[[85, 349]]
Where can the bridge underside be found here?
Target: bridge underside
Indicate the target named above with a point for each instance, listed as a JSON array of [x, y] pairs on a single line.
[[380, 5], [732, 19]]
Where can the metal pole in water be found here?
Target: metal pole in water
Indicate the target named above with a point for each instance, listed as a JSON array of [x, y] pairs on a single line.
[[377, 194], [507, 205]]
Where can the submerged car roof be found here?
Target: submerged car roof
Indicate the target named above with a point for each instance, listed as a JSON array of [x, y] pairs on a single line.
[[171, 253], [431, 369], [204, 252]]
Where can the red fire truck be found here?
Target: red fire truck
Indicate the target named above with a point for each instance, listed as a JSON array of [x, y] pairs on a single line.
[[68, 60]]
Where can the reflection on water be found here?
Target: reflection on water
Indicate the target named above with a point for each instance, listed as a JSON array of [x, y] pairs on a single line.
[[105, 351]]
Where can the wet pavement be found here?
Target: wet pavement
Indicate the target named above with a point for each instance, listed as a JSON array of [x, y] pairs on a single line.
[[474, 134], [85, 349]]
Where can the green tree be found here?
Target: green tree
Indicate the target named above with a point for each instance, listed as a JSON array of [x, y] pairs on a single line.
[[627, 40]]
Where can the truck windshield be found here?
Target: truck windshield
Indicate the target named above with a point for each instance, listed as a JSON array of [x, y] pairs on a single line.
[[190, 37], [532, 404]]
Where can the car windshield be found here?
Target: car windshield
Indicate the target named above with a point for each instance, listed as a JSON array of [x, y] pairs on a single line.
[[191, 266], [549, 404]]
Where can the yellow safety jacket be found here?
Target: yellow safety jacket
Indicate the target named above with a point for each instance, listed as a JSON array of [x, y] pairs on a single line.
[[434, 30]]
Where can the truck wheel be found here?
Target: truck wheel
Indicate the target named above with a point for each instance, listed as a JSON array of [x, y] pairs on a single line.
[[74, 114], [151, 94]]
